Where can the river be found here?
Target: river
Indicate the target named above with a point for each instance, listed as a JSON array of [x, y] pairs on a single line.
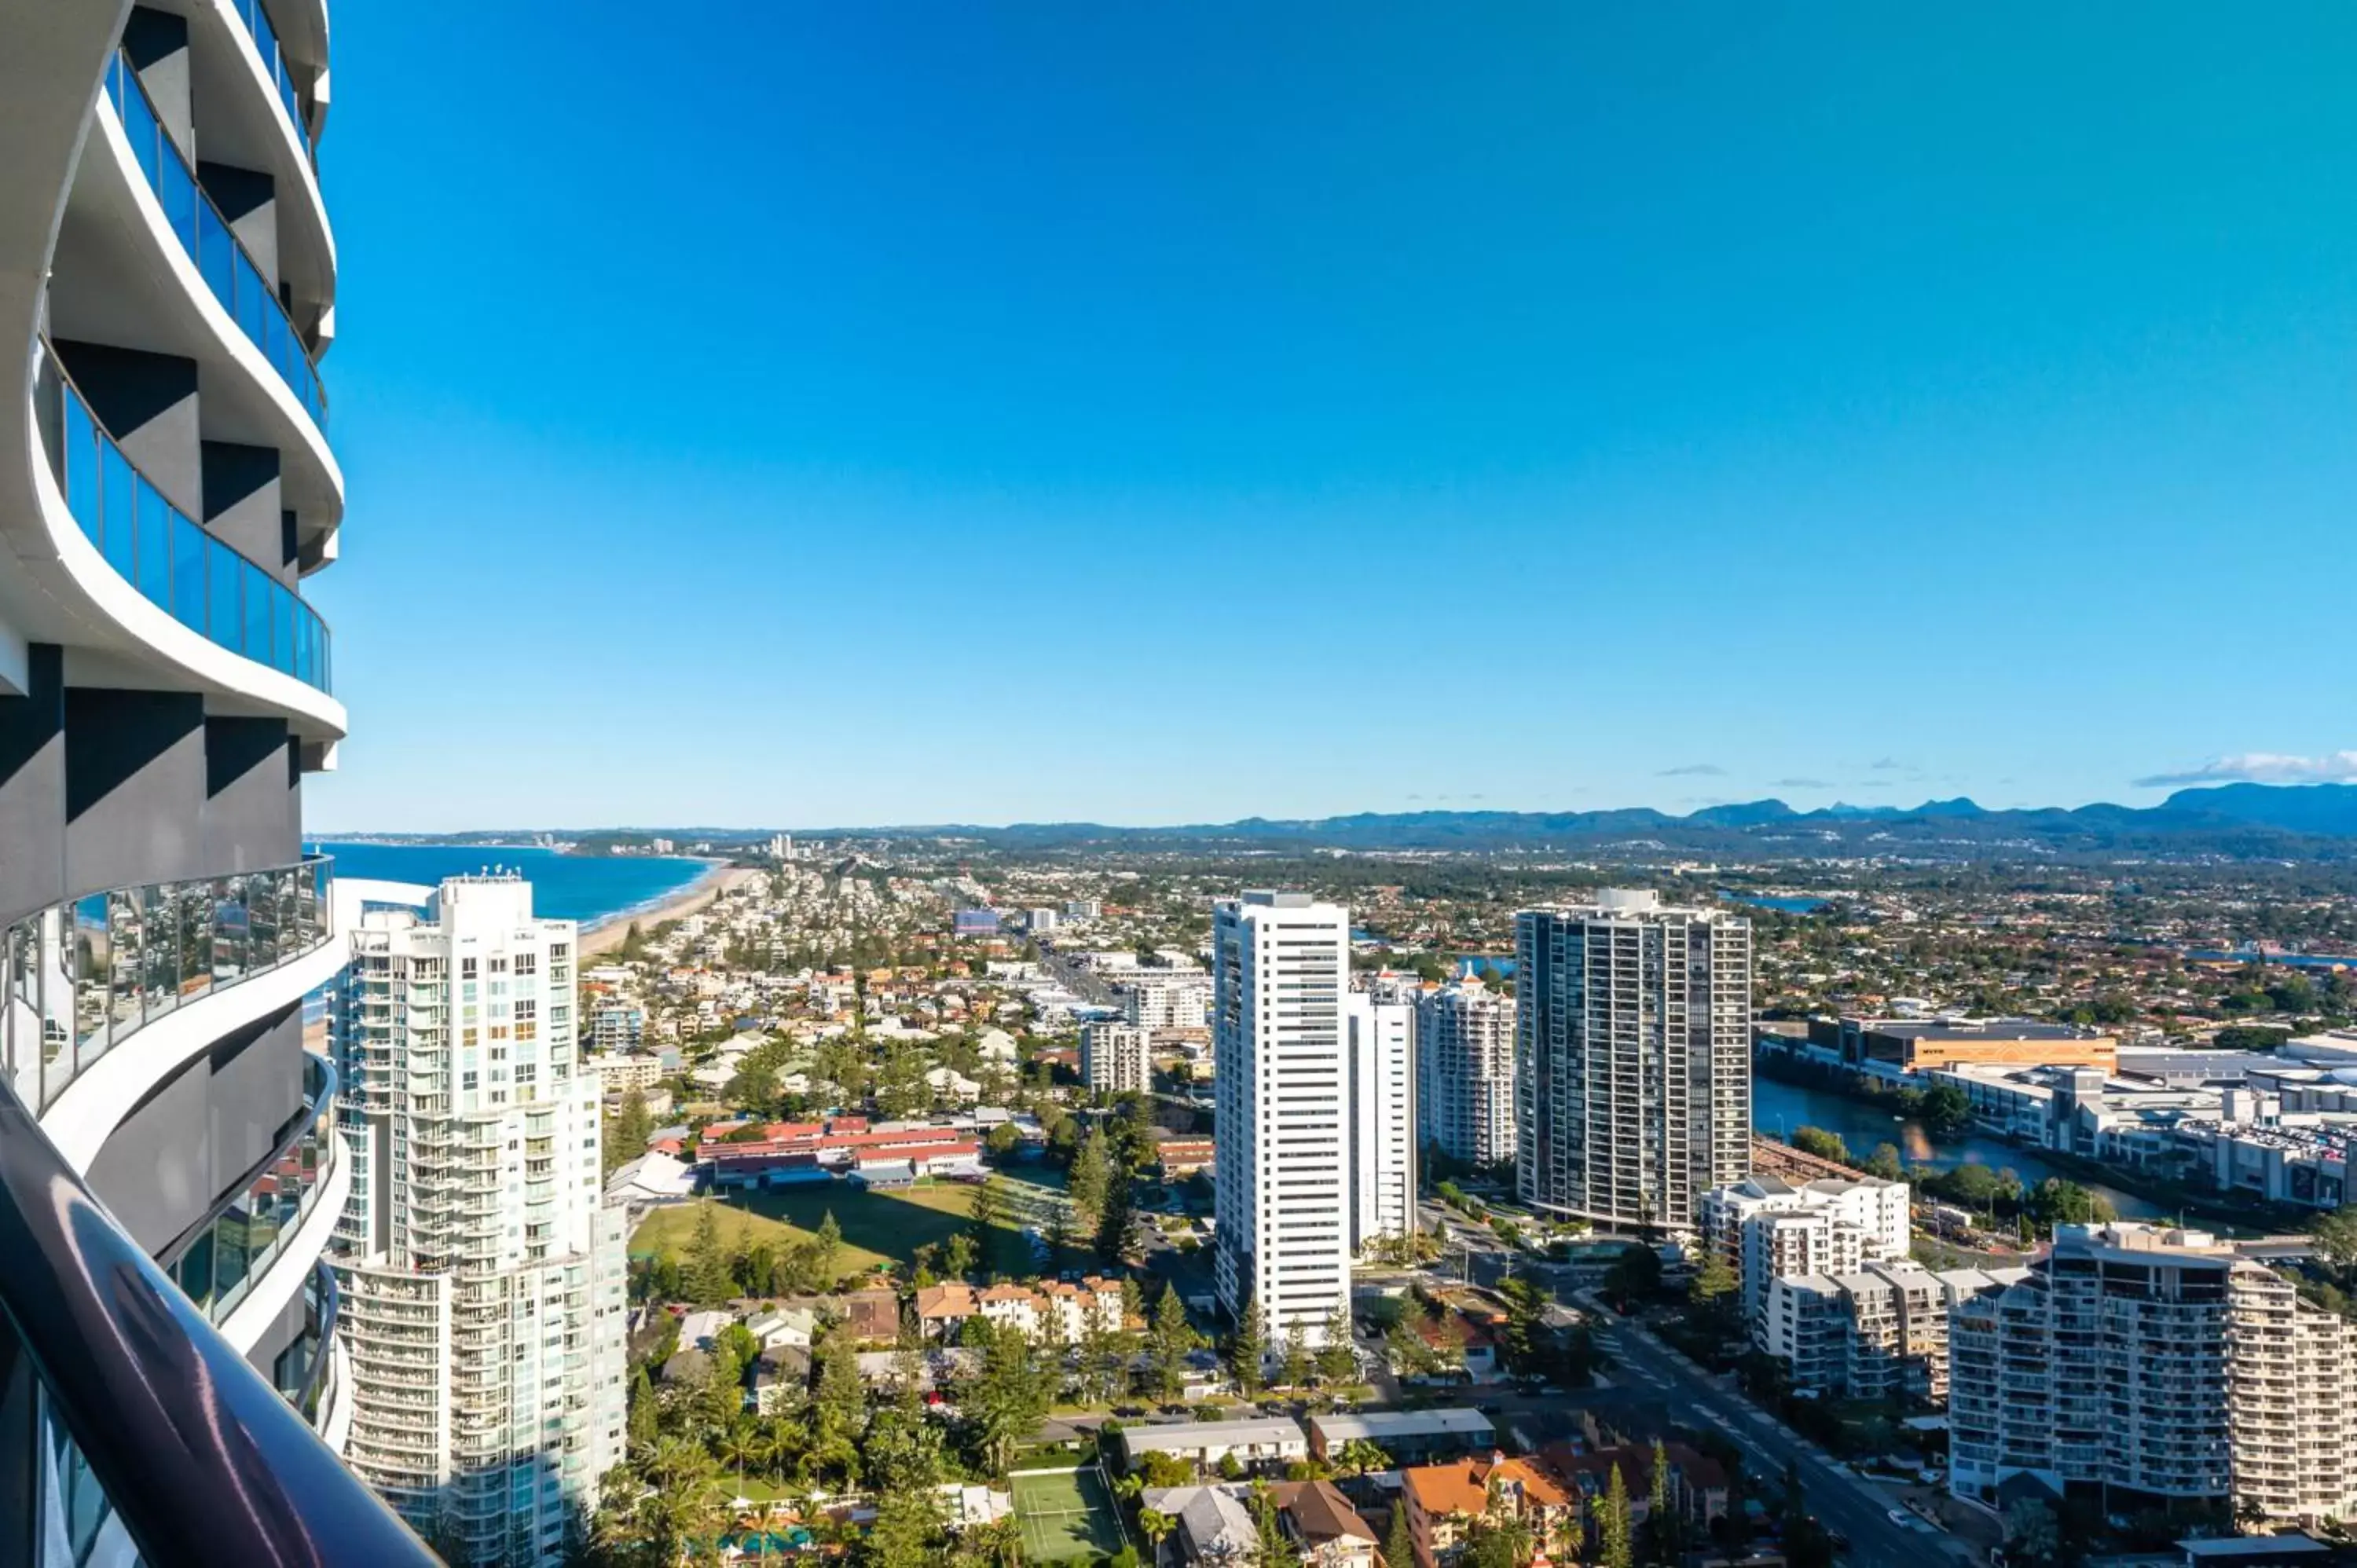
[[1778, 1108]]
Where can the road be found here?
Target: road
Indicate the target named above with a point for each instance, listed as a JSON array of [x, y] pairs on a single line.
[[1081, 981], [1835, 1495]]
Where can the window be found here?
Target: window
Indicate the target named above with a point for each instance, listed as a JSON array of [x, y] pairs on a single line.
[[466, 971], [498, 964], [527, 963]]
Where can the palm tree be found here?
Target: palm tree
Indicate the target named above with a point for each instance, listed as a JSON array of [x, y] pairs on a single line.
[[1154, 1526], [738, 1445], [1359, 1456]]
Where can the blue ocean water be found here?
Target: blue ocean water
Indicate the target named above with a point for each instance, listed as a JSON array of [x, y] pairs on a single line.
[[586, 888]]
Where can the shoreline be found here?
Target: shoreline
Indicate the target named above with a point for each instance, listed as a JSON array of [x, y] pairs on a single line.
[[608, 933]]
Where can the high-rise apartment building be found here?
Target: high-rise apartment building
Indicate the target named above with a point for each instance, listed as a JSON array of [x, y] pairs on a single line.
[[1465, 1072], [1165, 998], [482, 1276], [1378, 1114], [171, 1173], [1113, 1057], [2161, 1366], [1876, 1331], [1633, 1054], [1280, 967]]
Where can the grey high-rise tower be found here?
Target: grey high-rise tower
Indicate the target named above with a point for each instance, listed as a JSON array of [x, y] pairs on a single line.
[[1633, 1057]]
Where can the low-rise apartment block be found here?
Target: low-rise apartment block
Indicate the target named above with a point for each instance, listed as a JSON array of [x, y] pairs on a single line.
[[1113, 1058], [1766, 1226], [1877, 1332]]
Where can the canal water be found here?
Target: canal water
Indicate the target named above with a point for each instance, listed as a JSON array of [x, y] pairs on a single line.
[[1778, 1108]]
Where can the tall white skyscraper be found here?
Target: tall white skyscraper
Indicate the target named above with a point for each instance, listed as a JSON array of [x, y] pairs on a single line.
[[1465, 1072], [1280, 965], [482, 1279], [1379, 1116], [1633, 1054]]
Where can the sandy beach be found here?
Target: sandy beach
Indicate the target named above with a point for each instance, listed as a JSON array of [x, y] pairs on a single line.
[[607, 933]]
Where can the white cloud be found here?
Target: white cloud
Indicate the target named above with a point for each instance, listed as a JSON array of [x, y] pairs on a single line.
[[1694, 771], [2263, 768]]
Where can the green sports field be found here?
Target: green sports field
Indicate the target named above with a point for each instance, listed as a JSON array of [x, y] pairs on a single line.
[[1065, 1516]]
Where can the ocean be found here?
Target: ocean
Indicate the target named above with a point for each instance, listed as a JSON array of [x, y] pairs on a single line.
[[587, 888]]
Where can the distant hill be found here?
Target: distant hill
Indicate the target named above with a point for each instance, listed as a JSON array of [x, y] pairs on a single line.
[[2313, 821]]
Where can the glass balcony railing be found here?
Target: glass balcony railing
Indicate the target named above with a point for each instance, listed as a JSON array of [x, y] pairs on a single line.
[[217, 1268], [83, 977], [274, 65], [176, 566], [229, 271]]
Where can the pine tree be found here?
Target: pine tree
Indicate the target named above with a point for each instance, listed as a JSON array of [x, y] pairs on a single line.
[[642, 1428], [708, 1281], [1399, 1543], [1247, 1349], [1615, 1548], [1117, 1225], [1173, 1339], [1092, 1175]]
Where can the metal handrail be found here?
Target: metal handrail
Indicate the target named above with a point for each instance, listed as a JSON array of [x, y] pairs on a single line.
[[330, 1309], [186, 202], [202, 1460], [157, 549]]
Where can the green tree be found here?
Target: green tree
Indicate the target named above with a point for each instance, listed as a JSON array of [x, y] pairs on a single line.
[[1247, 1349], [1614, 1544], [708, 1280], [1009, 1396], [839, 1409], [1117, 1225], [1884, 1163], [1660, 1520], [1337, 1362], [1823, 1144], [1714, 1282], [1169, 1342], [826, 1249], [983, 1220], [1090, 1177], [1399, 1542], [643, 1418], [1295, 1367]]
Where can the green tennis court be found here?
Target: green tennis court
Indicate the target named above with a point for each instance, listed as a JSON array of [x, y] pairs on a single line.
[[1065, 1516]]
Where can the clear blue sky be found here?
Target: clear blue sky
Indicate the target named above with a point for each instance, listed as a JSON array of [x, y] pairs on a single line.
[[811, 414]]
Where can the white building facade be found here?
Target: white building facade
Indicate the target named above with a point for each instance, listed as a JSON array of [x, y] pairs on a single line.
[[1379, 1117], [1113, 1057], [482, 1276], [1633, 1057], [1465, 1070], [2157, 1365], [1765, 1226], [1280, 969]]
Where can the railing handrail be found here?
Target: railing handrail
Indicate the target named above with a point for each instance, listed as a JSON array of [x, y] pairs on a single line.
[[202, 1460], [331, 1307], [56, 363], [120, 65]]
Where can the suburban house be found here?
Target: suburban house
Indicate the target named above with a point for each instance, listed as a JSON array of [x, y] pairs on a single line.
[[1322, 1527], [1269, 1440]]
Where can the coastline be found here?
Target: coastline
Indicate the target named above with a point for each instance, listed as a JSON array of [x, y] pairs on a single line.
[[608, 933]]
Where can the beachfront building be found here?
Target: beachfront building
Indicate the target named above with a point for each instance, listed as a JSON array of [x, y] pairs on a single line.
[[1283, 1157], [1379, 1115], [1633, 1054], [1465, 1072], [166, 488], [482, 1276]]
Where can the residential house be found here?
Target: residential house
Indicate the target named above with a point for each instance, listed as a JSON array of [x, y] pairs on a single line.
[[1263, 1442], [1698, 1484], [1321, 1524], [1214, 1526]]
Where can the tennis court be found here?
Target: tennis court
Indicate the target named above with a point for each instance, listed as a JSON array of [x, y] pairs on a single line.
[[1065, 1516]]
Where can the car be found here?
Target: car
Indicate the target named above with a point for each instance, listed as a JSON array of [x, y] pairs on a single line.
[[1903, 1519]]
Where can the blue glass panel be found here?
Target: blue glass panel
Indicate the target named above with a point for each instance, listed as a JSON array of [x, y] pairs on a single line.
[[154, 548], [223, 574], [146, 135], [178, 193], [82, 465], [282, 627], [114, 502], [252, 300], [257, 611], [188, 551], [216, 254]]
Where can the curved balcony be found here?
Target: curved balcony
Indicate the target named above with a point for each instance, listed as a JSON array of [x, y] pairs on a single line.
[[221, 258], [155, 1433], [191, 574], [250, 16], [219, 1261], [83, 980]]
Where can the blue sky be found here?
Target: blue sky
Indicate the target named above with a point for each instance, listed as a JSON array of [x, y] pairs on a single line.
[[816, 415]]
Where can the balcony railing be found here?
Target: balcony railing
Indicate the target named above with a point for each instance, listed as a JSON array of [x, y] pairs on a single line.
[[274, 66], [228, 268], [216, 1267], [149, 1417], [81, 978], [193, 576]]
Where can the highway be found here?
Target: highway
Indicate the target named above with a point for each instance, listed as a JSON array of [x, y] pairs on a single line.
[[1837, 1496]]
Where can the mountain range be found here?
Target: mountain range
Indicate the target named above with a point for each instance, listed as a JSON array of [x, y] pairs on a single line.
[[2245, 822]]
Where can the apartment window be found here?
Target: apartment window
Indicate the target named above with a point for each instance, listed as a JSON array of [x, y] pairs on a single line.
[[466, 1078], [466, 971], [498, 964], [527, 963]]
